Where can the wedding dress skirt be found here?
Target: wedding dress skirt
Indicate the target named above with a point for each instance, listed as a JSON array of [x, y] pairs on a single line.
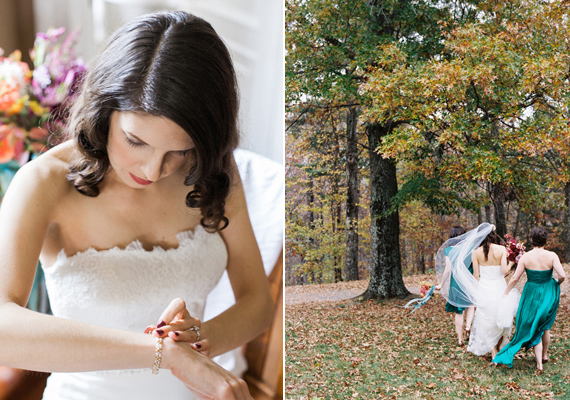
[[129, 289], [494, 315]]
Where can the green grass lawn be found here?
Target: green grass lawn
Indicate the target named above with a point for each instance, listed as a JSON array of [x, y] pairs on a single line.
[[369, 350]]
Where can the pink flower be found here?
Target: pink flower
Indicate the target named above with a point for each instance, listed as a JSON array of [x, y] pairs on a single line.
[[37, 133]]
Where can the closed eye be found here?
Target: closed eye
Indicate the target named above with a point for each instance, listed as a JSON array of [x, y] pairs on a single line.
[[184, 153], [132, 143]]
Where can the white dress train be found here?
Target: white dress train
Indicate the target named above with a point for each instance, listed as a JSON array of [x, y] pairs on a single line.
[[495, 312]]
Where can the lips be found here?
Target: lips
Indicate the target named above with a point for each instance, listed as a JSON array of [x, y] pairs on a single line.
[[139, 180]]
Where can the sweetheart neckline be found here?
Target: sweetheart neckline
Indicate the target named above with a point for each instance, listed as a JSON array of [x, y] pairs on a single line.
[[136, 245]]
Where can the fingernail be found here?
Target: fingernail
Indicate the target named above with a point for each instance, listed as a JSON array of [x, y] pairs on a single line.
[[198, 345], [176, 333], [159, 331], [161, 323]]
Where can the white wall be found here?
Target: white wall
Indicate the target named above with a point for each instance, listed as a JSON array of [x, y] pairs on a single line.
[[252, 29]]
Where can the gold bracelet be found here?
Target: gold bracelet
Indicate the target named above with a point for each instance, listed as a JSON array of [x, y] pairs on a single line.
[[158, 358]]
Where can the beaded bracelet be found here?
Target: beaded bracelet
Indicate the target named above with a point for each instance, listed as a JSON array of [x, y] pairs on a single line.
[[158, 358]]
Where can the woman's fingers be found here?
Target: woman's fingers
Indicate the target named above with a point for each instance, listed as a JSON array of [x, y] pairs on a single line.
[[189, 328], [176, 318], [189, 336], [203, 346], [176, 310]]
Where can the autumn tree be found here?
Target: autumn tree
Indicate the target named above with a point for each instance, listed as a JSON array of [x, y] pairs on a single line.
[[491, 112], [314, 198], [332, 47]]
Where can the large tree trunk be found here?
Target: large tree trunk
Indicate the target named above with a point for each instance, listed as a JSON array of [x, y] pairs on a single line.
[[351, 259], [385, 269], [566, 230], [498, 199]]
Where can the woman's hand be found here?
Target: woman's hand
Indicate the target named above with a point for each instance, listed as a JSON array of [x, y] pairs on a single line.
[[177, 324], [202, 376]]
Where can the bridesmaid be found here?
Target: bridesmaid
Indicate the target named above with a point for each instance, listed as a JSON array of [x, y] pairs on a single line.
[[458, 311], [538, 304]]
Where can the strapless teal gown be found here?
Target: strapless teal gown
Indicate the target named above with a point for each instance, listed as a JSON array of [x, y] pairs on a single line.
[[453, 285], [536, 314]]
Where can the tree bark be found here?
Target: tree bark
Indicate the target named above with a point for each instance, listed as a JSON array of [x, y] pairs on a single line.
[[566, 230], [498, 199], [385, 269], [312, 241], [351, 259]]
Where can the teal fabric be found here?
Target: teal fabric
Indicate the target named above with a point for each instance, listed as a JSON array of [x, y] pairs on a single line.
[[537, 311], [453, 285]]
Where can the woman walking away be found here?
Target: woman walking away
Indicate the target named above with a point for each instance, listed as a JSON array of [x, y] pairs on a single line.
[[539, 302], [457, 231]]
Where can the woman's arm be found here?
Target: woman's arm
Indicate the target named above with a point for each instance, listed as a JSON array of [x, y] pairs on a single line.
[[516, 276], [475, 264], [446, 272], [505, 268], [253, 311], [558, 268], [39, 342]]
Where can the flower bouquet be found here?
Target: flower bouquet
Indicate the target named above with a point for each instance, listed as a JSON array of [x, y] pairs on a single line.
[[515, 250], [33, 102], [426, 291], [425, 287]]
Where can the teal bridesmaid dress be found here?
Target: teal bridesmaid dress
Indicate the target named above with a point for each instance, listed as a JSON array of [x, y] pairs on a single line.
[[453, 285], [536, 314]]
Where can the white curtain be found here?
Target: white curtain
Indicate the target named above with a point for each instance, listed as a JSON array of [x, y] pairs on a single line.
[[252, 29]]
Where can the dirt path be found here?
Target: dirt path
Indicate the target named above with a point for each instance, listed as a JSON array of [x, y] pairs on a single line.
[[339, 291], [295, 295]]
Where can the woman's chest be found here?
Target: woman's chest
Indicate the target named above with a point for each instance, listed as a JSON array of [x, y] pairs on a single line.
[[109, 221]]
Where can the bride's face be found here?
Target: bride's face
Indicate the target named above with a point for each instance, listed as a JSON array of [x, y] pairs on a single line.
[[143, 148]]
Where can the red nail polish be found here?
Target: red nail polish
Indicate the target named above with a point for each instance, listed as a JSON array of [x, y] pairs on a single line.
[[176, 333], [198, 345], [161, 323], [160, 331]]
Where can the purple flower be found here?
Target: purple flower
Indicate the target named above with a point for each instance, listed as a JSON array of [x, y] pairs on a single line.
[[41, 76]]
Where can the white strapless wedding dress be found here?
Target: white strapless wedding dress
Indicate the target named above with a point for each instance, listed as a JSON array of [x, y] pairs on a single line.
[[495, 312], [129, 289]]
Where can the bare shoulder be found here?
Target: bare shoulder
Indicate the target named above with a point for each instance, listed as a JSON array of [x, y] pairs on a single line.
[[498, 248], [553, 256], [525, 256], [44, 176]]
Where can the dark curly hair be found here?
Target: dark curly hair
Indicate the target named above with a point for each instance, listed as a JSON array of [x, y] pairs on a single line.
[[167, 64], [538, 236]]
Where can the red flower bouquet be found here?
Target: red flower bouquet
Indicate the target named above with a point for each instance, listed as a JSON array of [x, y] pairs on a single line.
[[515, 250]]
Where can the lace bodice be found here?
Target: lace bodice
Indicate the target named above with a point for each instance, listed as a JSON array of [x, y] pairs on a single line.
[[129, 289]]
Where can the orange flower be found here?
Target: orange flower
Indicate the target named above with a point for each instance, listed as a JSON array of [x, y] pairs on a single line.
[[8, 95], [4, 131], [6, 150]]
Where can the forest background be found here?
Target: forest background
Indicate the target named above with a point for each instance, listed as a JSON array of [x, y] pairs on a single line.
[[405, 118]]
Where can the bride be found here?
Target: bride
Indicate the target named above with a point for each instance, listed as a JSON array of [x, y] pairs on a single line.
[[134, 220], [491, 327], [484, 289]]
